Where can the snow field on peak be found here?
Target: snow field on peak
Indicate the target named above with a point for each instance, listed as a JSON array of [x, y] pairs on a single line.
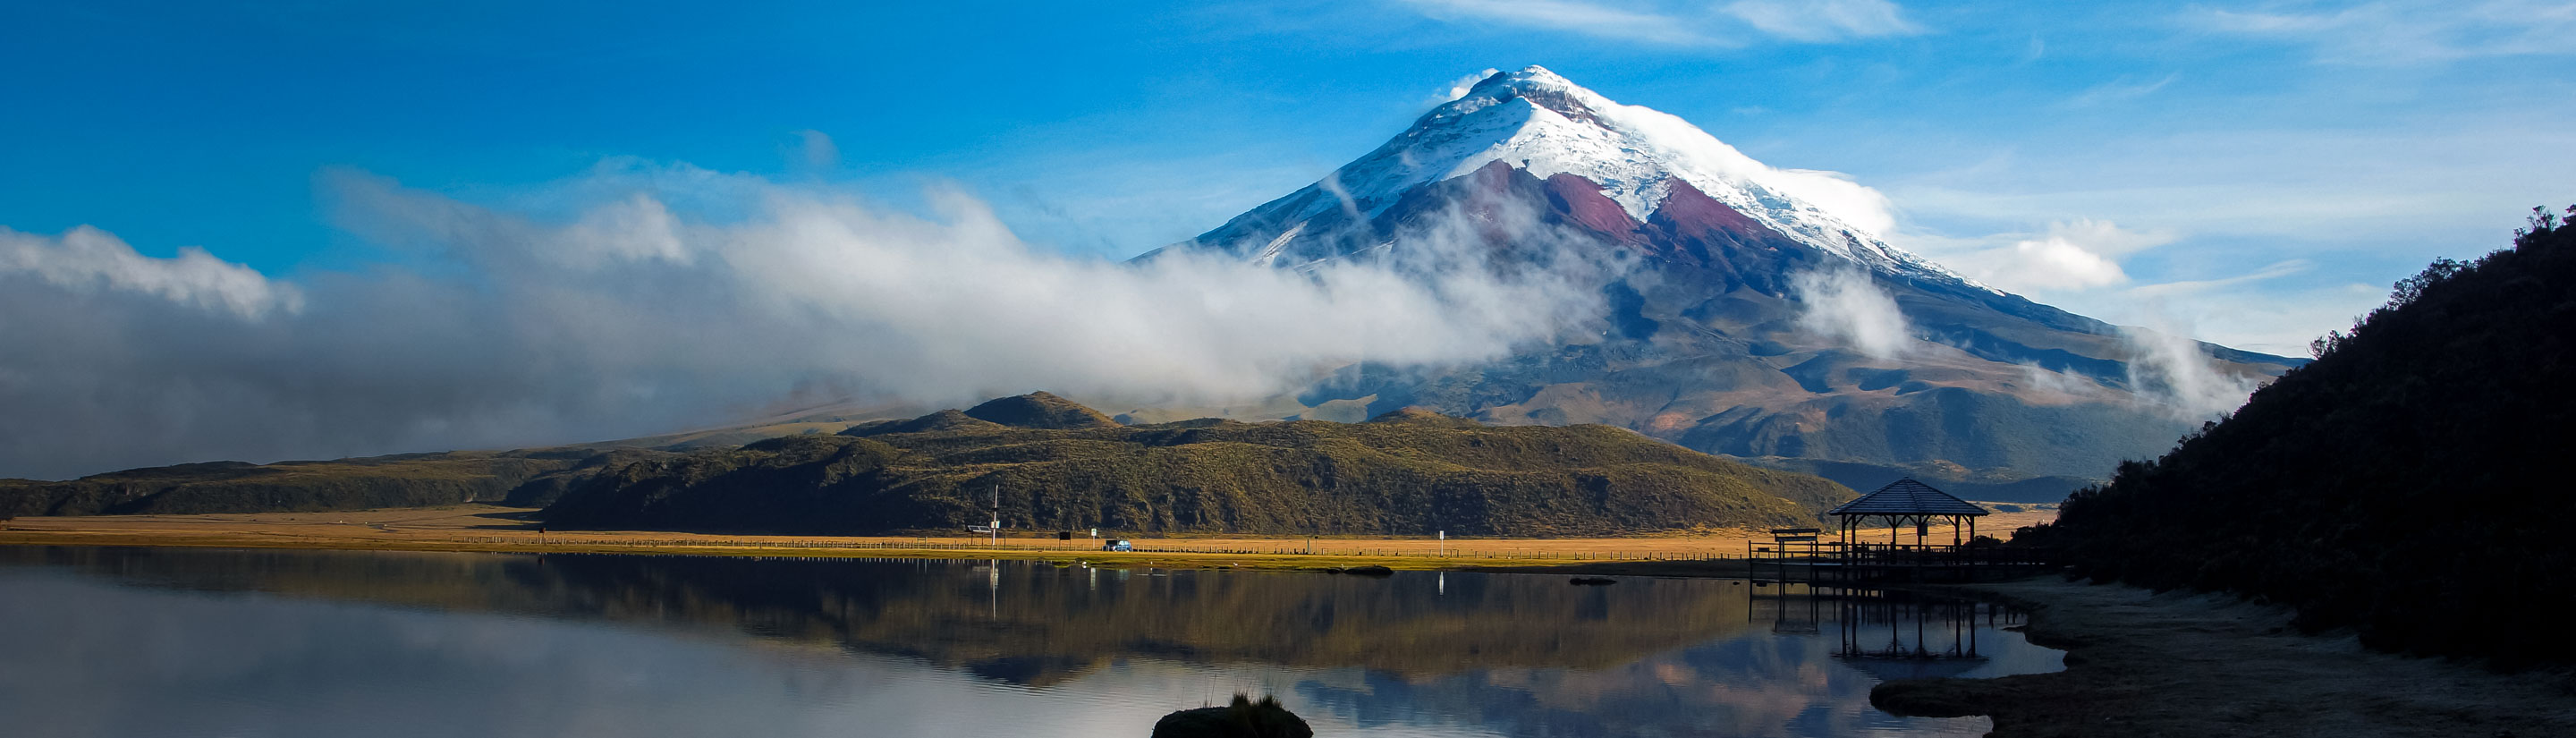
[[1632, 152], [1538, 121]]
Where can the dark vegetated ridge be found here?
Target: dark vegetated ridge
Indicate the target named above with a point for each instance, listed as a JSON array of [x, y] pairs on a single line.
[[2406, 484]]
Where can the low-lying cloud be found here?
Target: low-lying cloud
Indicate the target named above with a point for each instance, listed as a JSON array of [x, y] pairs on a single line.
[[1845, 305], [673, 306], [2171, 372]]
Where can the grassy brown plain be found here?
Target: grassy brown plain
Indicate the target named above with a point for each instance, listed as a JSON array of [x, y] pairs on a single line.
[[492, 528]]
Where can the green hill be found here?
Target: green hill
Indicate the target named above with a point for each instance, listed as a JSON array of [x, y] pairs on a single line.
[[2402, 485], [1039, 410], [1410, 472]]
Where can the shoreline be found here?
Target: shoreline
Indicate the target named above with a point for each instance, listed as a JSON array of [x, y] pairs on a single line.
[[1106, 559], [2137, 662], [2200, 664], [491, 529]]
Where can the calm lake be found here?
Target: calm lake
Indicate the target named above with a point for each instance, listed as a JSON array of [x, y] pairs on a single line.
[[203, 642]]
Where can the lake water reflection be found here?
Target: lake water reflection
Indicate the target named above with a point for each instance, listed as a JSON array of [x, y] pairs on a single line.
[[182, 642]]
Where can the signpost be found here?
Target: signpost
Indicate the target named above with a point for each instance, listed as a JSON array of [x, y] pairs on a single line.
[[994, 529]]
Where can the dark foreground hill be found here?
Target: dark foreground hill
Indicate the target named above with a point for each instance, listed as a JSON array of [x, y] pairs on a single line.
[[1056, 469], [2408, 484]]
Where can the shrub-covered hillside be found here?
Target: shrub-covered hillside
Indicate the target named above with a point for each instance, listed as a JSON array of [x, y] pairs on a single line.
[[526, 477], [1408, 472], [2410, 483]]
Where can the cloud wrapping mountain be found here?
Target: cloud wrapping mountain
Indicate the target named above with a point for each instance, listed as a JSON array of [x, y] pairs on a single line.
[[1528, 252], [1761, 312], [635, 316]]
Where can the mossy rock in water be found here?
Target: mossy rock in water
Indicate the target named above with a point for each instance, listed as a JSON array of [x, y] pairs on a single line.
[[1242, 719], [1371, 570]]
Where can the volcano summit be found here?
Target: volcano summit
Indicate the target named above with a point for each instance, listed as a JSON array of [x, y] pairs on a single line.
[[1748, 310]]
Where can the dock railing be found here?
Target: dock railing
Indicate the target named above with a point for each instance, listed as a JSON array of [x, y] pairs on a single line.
[[1790, 559]]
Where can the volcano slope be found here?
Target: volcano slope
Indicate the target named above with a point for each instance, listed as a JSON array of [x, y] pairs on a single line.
[[1738, 316], [1055, 467]]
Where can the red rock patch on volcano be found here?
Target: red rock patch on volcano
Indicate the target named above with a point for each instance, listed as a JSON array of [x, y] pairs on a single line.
[[1579, 201], [1688, 211]]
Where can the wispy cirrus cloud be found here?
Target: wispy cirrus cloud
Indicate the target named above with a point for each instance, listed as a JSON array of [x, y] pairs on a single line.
[[2398, 32], [815, 150], [2119, 90], [2182, 288], [1590, 19], [1823, 22], [1732, 24]]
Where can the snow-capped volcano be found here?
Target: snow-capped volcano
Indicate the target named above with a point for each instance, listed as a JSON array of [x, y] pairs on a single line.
[[1544, 124], [1753, 311]]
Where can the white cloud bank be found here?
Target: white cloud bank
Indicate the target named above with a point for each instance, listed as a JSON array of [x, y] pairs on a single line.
[[2067, 256], [635, 316], [87, 260]]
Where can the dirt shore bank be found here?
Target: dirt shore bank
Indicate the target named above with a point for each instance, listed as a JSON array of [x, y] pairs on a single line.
[[2178, 664]]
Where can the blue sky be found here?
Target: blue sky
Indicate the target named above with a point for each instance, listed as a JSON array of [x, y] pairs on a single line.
[[2253, 173]]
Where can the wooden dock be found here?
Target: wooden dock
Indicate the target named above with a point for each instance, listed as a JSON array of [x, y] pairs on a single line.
[[1795, 556], [1802, 556]]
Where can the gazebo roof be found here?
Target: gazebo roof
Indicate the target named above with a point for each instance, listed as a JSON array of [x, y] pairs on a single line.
[[1907, 497]]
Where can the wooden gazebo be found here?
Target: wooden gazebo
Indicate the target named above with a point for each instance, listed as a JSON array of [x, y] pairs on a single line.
[[1906, 500]]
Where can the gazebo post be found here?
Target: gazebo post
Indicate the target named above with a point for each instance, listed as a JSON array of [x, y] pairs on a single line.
[[1972, 555]]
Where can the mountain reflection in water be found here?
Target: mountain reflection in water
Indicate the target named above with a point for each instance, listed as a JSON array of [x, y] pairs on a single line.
[[114, 642]]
